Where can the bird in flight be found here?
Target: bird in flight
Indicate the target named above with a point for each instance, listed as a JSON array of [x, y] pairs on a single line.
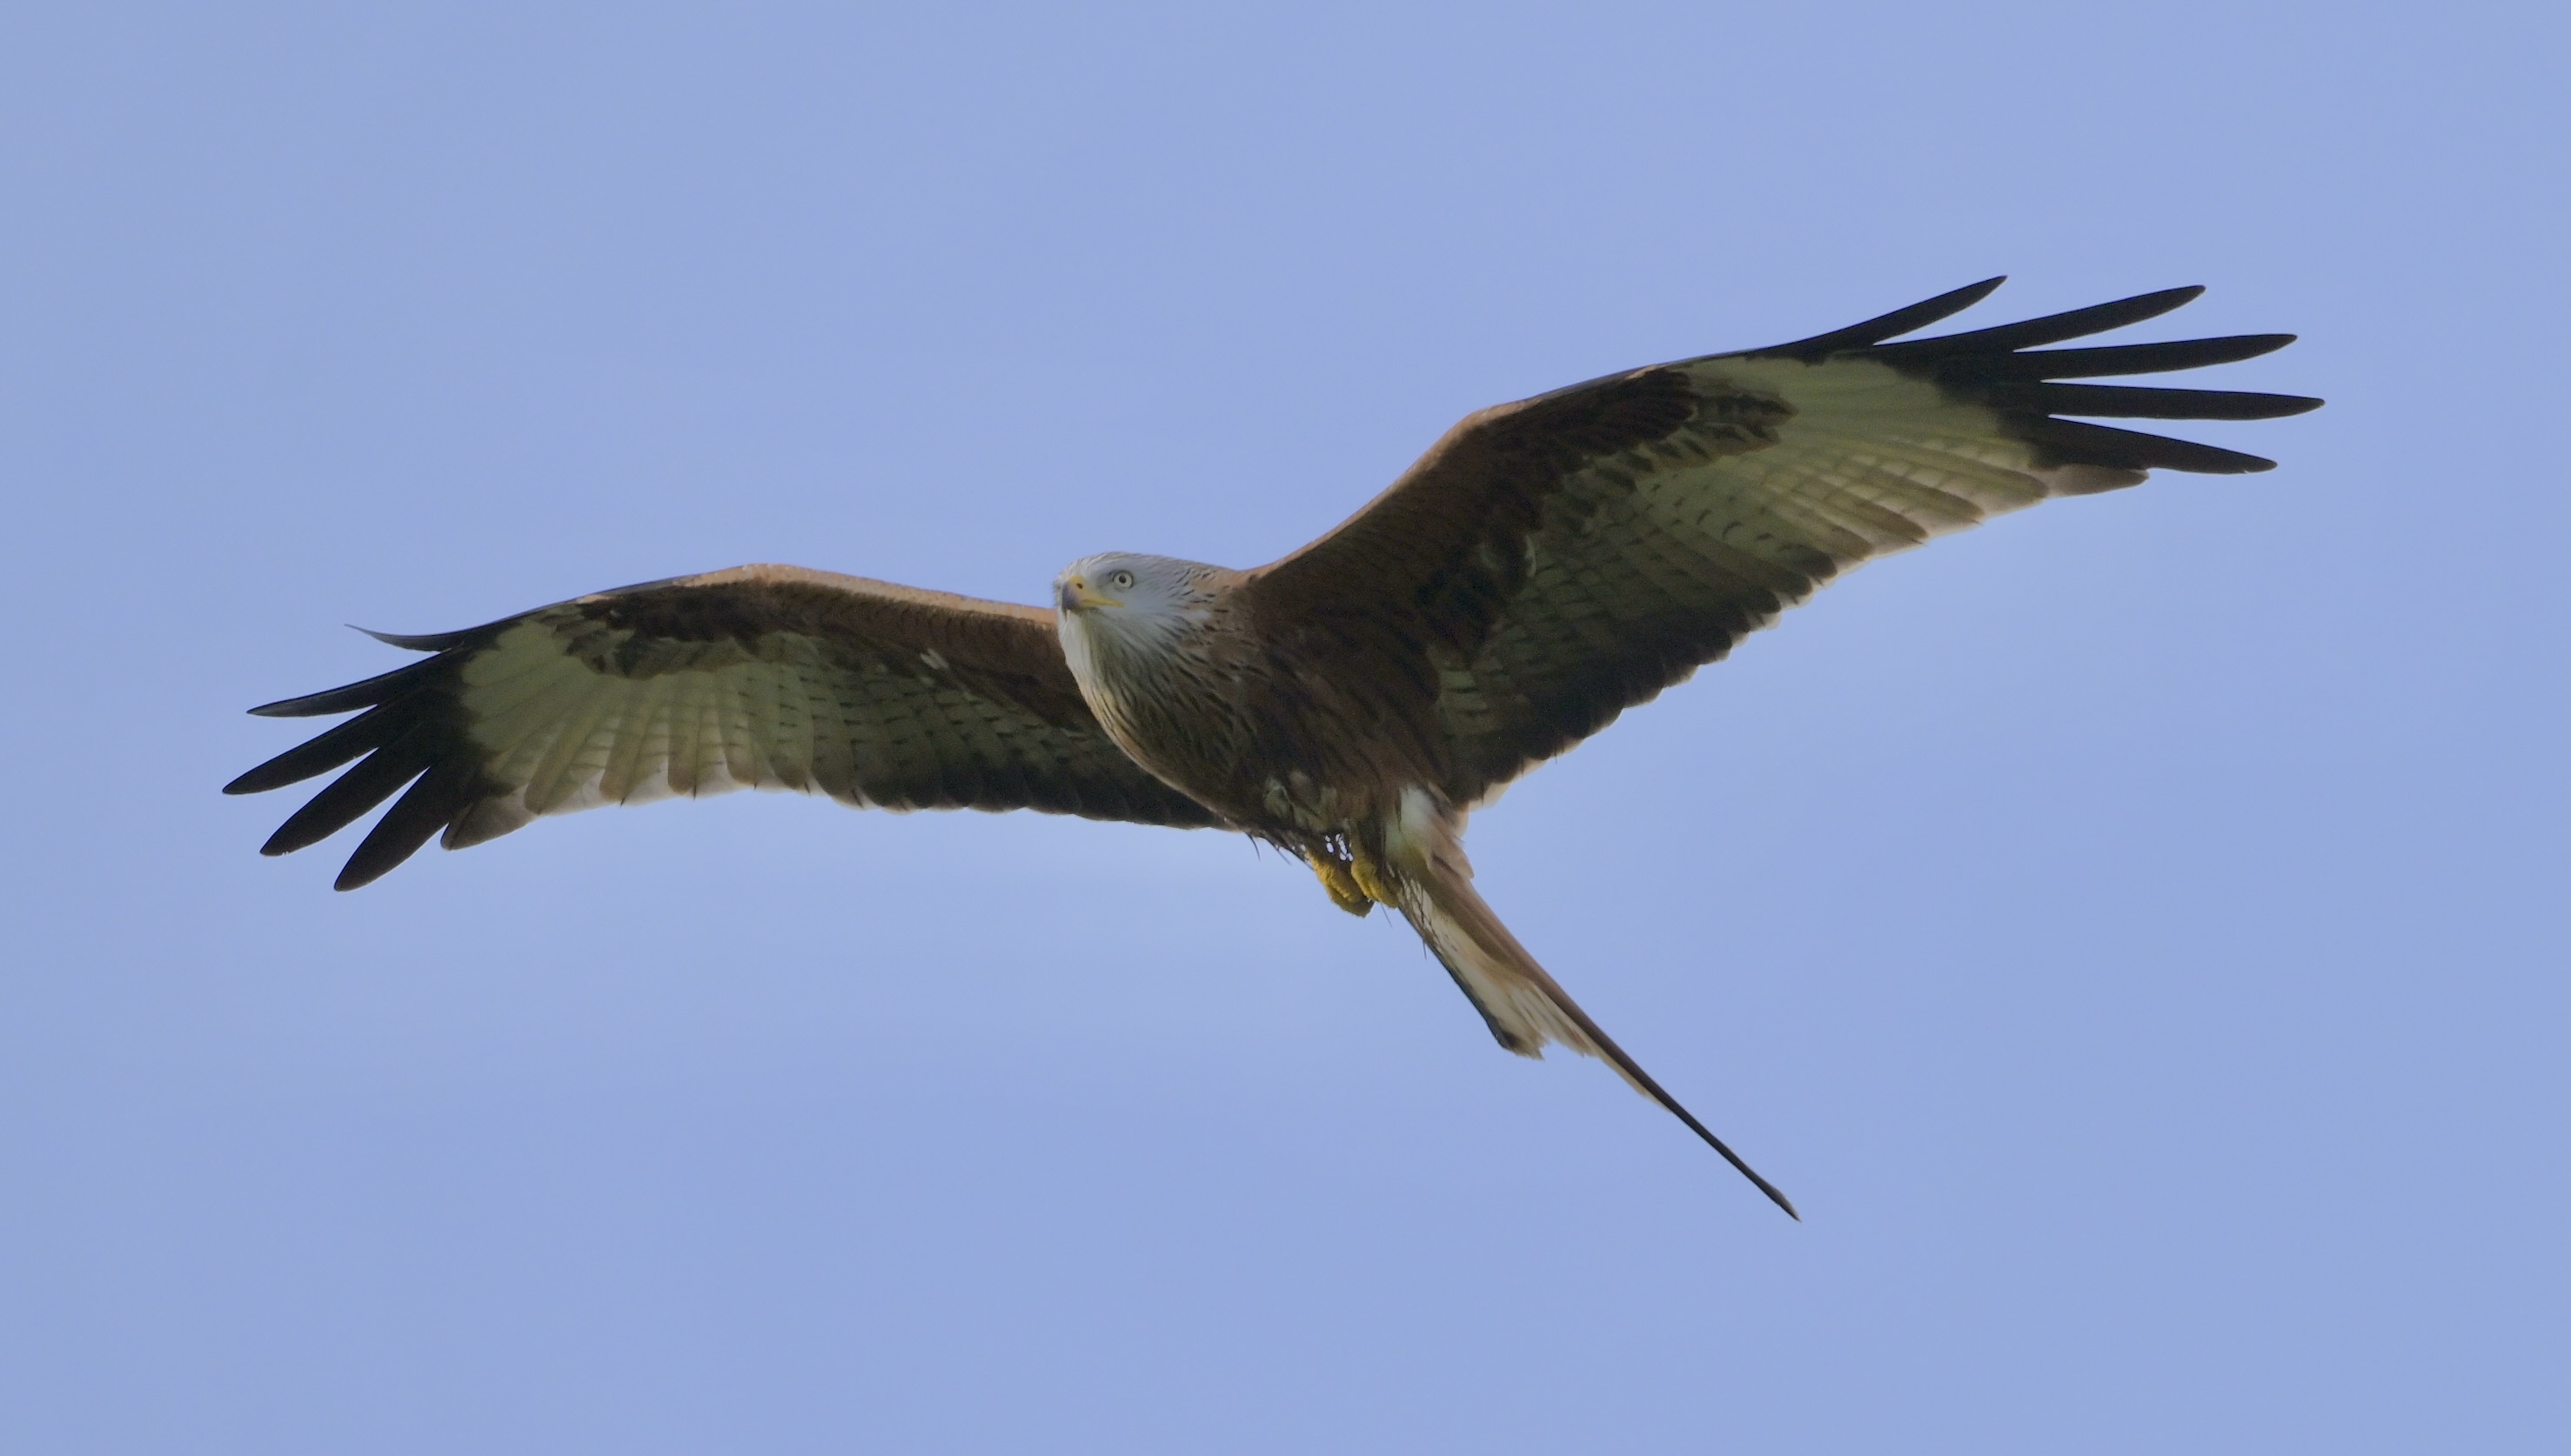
[[1547, 565]]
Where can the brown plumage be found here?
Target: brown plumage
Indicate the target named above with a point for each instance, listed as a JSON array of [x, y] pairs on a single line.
[[1545, 566]]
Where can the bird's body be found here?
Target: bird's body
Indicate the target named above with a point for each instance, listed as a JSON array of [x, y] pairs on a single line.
[[1280, 735], [1545, 566]]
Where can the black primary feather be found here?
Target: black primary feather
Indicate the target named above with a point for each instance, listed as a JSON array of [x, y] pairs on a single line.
[[2002, 368]]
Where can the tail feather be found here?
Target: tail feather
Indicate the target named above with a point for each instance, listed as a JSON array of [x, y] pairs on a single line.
[[1524, 1006]]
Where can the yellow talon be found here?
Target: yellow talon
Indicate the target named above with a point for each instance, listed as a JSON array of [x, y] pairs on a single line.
[[1343, 890], [1370, 879]]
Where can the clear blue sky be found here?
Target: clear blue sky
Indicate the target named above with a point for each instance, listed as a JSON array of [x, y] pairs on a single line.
[[2133, 932]]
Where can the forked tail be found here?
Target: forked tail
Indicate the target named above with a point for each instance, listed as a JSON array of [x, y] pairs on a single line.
[[1524, 1006]]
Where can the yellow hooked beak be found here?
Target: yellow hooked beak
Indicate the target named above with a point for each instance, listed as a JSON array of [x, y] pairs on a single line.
[[1076, 596]]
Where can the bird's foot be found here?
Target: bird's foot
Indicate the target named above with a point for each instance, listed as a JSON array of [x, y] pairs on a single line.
[[1369, 878], [1343, 887]]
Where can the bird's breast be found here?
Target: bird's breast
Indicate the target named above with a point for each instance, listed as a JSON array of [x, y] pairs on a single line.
[[1269, 739], [1154, 709]]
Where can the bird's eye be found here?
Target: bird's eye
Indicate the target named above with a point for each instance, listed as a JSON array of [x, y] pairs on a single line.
[[1121, 579]]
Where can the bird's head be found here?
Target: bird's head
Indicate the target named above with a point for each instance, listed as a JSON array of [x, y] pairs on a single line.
[[1132, 600], [1123, 585]]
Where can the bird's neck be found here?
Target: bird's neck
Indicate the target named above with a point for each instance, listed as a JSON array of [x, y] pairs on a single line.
[[1157, 686]]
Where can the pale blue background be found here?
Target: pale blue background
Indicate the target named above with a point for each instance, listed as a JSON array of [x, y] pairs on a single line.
[[2133, 932]]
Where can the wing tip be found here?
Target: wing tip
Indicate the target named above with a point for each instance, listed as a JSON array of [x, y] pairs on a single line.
[[1875, 330], [377, 689], [288, 708], [418, 642], [2008, 368], [289, 837]]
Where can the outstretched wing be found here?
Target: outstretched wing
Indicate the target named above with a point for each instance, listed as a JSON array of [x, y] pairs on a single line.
[[1561, 558], [761, 676]]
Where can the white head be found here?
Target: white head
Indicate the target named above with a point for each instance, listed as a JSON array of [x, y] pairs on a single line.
[[1121, 602]]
